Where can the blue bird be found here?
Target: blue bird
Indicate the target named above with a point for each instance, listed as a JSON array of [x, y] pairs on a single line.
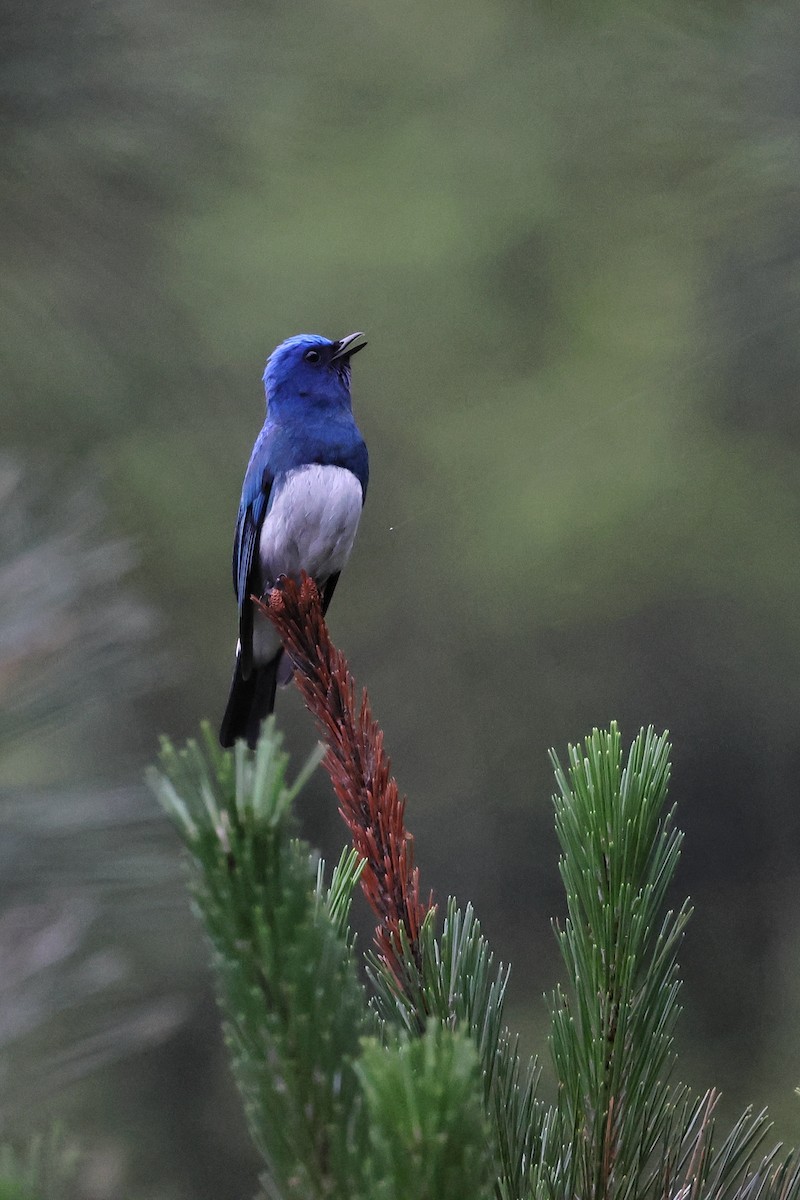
[[301, 503]]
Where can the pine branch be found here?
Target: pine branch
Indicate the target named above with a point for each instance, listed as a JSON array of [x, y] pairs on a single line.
[[294, 1008], [417, 975], [360, 770], [458, 986], [429, 1137], [334, 1115], [620, 1130], [444, 1107], [612, 1039]]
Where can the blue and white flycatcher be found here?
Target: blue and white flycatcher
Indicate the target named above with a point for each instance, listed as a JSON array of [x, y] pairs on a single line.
[[301, 503]]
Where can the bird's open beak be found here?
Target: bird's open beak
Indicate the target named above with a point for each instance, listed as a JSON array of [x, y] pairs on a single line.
[[347, 346]]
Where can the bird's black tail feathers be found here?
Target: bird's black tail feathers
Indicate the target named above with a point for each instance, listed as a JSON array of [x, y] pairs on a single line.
[[250, 701]]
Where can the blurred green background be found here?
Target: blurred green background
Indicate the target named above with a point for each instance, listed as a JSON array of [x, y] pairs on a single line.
[[572, 234]]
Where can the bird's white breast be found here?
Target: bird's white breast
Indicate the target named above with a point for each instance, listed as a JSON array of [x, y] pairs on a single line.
[[311, 523]]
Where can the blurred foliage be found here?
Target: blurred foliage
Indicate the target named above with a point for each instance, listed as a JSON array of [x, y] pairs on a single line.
[[76, 643], [570, 232], [98, 951], [46, 1170]]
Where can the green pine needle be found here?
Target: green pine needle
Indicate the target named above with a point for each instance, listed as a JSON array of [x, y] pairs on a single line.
[[429, 1136]]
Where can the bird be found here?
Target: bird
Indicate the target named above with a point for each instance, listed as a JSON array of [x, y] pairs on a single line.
[[301, 503]]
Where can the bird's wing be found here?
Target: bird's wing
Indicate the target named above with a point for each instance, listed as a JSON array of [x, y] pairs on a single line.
[[252, 510], [354, 457]]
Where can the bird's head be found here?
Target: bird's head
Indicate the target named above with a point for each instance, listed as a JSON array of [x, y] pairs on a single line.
[[311, 371]]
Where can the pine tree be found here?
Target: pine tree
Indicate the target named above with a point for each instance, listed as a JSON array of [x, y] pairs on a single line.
[[410, 1084]]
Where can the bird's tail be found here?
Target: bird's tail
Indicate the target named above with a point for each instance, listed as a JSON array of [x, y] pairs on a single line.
[[250, 701]]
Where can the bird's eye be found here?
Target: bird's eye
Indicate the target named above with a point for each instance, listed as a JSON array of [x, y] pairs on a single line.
[[311, 356]]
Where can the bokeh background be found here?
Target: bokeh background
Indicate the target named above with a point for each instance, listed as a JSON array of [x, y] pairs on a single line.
[[572, 233]]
